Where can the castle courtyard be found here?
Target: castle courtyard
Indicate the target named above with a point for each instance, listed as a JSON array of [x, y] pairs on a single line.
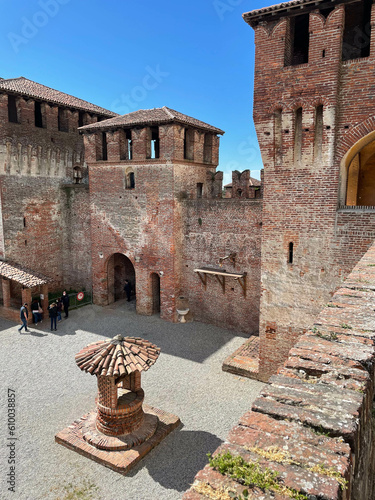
[[51, 392]]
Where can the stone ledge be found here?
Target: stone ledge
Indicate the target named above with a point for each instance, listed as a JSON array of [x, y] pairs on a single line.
[[245, 360], [119, 461], [318, 409]]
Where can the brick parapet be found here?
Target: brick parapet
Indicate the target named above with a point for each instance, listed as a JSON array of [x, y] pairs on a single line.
[[318, 409]]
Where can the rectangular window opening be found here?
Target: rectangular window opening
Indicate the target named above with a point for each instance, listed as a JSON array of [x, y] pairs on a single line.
[[357, 30], [104, 147], [81, 119], [130, 180], [155, 142], [38, 115], [128, 145], [290, 253], [297, 42], [12, 109], [125, 144], [199, 189]]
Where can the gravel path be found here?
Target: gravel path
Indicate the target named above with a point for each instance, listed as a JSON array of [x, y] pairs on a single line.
[[51, 392]]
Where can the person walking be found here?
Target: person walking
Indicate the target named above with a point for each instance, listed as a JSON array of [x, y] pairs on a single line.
[[53, 316], [24, 314], [127, 289], [35, 308], [66, 303]]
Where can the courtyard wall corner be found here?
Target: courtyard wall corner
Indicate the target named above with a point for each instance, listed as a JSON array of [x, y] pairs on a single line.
[[314, 423]]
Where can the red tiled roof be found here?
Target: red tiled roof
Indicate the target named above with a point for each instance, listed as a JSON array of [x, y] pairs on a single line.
[[149, 117], [25, 87], [251, 17], [118, 356], [22, 275]]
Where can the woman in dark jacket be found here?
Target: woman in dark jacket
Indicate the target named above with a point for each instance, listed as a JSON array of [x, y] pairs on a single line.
[[53, 315]]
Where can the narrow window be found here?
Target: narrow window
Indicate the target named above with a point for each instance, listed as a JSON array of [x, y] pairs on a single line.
[[357, 30], [24, 222], [104, 147], [154, 143], [318, 139], [12, 109], [38, 115], [290, 253], [81, 120], [199, 189], [207, 148], [297, 42], [130, 180], [129, 144], [126, 149], [278, 135], [62, 120], [298, 135], [189, 144]]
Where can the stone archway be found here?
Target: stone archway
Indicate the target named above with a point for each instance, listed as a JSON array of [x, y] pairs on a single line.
[[357, 173], [120, 268], [361, 178]]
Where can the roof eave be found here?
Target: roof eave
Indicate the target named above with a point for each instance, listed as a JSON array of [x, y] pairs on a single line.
[[95, 128], [253, 18], [52, 102]]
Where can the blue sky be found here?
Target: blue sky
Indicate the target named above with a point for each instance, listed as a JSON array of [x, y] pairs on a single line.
[[196, 57]]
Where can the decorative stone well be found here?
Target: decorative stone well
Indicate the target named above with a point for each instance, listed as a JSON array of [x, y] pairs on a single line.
[[121, 422], [118, 364]]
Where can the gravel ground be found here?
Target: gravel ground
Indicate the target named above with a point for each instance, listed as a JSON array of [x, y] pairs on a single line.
[[51, 392]]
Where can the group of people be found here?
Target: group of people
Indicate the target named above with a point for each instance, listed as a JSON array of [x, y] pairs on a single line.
[[54, 311]]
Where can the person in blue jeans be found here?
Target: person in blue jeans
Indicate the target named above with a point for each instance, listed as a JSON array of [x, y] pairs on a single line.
[[53, 315], [24, 314]]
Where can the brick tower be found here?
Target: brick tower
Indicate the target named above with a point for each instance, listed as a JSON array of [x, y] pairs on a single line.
[[141, 166], [314, 109]]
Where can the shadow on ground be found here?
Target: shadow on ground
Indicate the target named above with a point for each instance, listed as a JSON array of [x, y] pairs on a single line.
[[193, 341], [176, 460]]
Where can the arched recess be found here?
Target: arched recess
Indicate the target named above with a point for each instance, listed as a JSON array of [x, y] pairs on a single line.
[[155, 290], [119, 269], [358, 173]]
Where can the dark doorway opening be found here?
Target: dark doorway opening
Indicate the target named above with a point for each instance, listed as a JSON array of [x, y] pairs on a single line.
[[120, 268]]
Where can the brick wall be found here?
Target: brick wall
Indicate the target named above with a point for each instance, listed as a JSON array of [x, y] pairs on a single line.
[[304, 177], [314, 423], [212, 229], [45, 218], [138, 223]]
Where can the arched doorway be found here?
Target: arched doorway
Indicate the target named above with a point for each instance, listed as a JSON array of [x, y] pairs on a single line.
[[120, 268], [359, 173], [155, 288]]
